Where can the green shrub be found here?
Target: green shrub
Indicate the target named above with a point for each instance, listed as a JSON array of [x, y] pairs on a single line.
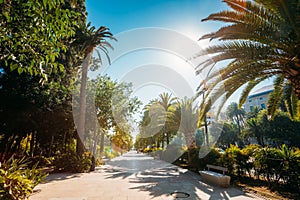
[[17, 180], [199, 162], [268, 164], [211, 158], [290, 165], [70, 162], [229, 159], [41, 160]]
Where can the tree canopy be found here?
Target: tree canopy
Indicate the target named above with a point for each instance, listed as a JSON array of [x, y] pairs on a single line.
[[260, 41]]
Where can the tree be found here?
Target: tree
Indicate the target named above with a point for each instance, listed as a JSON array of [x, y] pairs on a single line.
[[236, 115], [122, 140], [261, 41], [89, 39], [229, 134], [110, 106], [168, 103], [257, 127], [281, 129], [187, 117], [31, 41]]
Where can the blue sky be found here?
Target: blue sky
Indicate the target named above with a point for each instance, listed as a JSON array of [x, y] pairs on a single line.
[[181, 15]]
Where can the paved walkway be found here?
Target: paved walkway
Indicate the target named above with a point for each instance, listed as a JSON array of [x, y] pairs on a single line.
[[133, 177]]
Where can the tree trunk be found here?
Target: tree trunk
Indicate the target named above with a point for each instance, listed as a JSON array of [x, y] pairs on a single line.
[[168, 138], [102, 142], [163, 141], [80, 149], [95, 143], [32, 143], [82, 103]]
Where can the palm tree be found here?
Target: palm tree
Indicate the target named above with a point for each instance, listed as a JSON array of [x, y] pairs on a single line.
[[236, 114], [168, 103], [158, 118], [187, 116], [88, 39], [261, 41]]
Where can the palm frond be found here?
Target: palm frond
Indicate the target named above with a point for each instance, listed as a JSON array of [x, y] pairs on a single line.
[[250, 85], [275, 96]]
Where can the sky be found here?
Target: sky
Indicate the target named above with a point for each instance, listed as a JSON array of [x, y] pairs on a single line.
[[182, 17], [156, 38]]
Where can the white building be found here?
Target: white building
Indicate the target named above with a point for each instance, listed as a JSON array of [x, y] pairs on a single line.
[[258, 98]]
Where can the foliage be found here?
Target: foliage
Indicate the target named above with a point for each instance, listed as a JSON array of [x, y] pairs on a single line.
[[71, 162], [121, 140], [110, 153], [260, 41], [17, 180], [38, 44], [280, 129], [187, 116], [158, 119], [236, 115], [275, 165], [229, 134], [31, 41]]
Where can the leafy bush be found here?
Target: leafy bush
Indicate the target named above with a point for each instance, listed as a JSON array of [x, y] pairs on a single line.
[[272, 164], [198, 162], [268, 163], [211, 158], [41, 160], [17, 180], [70, 162], [290, 165]]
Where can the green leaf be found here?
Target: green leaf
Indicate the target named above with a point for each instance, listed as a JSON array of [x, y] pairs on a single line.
[[20, 70]]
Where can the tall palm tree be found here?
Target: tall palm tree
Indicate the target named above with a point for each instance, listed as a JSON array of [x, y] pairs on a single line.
[[168, 103], [88, 39], [187, 116], [261, 41], [237, 115]]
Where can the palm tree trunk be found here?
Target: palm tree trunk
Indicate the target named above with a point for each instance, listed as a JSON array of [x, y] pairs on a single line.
[[295, 81], [81, 122]]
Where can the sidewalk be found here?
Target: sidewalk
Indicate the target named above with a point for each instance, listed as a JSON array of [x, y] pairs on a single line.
[[133, 177]]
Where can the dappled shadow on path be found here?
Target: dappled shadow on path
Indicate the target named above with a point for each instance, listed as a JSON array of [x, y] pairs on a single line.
[[61, 177], [160, 178]]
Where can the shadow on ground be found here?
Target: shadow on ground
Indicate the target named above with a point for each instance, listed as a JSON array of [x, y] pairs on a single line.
[[61, 177], [161, 178]]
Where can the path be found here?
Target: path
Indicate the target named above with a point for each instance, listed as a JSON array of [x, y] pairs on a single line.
[[132, 177]]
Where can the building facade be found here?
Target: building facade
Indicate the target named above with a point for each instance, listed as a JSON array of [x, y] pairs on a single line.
[[258, 98]]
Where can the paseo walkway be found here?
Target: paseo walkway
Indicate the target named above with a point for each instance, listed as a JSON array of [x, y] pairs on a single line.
[[133, 176]]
